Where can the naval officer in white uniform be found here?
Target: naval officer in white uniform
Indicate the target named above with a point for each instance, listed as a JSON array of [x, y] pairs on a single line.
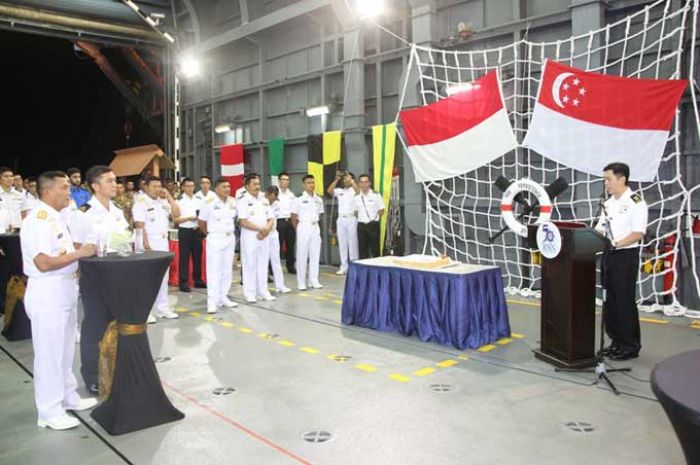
[[51, 263], [216, 221]]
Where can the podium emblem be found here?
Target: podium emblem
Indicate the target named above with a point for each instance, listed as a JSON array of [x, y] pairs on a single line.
[[548, 240]]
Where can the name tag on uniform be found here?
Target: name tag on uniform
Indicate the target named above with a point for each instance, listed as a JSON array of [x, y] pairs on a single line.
[[304, 201], [623, 208], [217, 207]]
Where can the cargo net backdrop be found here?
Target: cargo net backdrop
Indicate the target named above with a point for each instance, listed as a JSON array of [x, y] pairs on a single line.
[[463, 213]]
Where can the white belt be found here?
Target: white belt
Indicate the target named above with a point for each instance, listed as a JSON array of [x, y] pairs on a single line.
[[157, 236], [66, 276], [314, 223], [222, 232], [347, 215]]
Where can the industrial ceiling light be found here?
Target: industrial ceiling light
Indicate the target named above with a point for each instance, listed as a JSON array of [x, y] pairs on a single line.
[[222, 128], [369, 8], [456, 88], [317, 111], [132, 5], [190, 67]]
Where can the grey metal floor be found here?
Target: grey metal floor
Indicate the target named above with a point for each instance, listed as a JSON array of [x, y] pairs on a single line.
[[394, 401]]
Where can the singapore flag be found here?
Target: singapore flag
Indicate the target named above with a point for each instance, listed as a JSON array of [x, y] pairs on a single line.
[[586, 120]]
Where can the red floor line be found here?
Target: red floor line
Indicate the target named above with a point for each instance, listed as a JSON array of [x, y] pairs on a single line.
[[237, 425]]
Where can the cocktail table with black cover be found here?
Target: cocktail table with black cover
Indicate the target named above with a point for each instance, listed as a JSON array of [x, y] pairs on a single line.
[[676, 383], [127, 287]]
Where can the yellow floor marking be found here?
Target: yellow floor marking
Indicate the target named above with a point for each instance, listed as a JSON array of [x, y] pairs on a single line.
[[517, 335], [245, 330], [695, 324], [447, 363], [226, 324], [309, 350], [210, 318], [195, 314], [504, 341], [486, 348], [320, 298], [463, 357], [333, 275], [337, 301], [424, 371], [400, 378], [365, 367], [329, 294], [181, 309], [286, 343], [653, 320], [304, 294], [263, 335], [523, 302]]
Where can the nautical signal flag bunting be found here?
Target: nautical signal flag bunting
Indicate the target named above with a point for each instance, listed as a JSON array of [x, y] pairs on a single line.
[[459, 133], [586, 120]]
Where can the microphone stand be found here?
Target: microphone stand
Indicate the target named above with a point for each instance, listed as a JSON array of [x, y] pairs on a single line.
[[600, 370]]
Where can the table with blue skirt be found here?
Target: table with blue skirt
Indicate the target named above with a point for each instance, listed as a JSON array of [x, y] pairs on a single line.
[[461, 305]]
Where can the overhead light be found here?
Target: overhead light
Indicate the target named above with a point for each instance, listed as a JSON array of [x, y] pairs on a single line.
[[132, 5], [369, 8], [152, 22], [222, 128], [189, 66], [170, 38], [460, 87], [317, 111]]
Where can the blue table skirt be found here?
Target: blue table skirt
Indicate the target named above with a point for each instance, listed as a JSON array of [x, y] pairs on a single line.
[[465, 311]]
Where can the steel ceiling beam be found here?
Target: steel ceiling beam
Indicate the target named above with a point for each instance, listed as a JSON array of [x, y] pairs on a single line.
[[257, 25]]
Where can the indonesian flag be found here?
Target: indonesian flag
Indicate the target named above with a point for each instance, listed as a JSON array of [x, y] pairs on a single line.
[[459, 133], [232, 165], [586, 120]]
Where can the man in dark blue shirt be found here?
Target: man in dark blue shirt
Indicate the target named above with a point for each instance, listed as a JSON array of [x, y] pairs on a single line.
[[77, 193]]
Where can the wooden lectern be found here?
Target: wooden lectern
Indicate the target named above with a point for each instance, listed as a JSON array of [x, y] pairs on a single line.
[[567, 323]]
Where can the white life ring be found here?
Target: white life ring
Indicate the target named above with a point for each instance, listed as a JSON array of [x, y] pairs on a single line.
[[514, 189]]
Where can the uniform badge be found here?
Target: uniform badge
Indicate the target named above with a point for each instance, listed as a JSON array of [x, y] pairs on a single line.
[[42, 214]]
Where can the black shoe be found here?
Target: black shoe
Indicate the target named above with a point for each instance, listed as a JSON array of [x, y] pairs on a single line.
[[94, 388], [270, 279], [624, 355], [291, 271], [200, 285], [185, 289], [610, 350]]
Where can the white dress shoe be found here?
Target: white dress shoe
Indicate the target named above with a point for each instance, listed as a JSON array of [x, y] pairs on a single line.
[[340, 272], [83, 404], [151, 319], [168, 314], [250, 300], [317, 286], [228, 303], [269, 297], [211, 309], [302, 288], [284, 290], [62, 422]]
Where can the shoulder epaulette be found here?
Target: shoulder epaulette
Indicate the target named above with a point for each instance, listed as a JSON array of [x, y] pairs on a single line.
[[85, 207], [636, 198], [42, 214]]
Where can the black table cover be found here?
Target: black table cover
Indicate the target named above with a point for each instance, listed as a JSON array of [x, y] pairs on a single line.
[[676, 383], [128, 286], [10, 263], [17, 326]]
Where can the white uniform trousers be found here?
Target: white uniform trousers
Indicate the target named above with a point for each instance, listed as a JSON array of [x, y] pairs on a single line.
[[220, 253], [308, 251], [273, 244], [51, 304], [160, 243], [255, 256], [347, 240]]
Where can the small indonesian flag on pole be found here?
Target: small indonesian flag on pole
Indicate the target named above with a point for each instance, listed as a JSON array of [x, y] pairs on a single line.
[[586, 120], [232, 165], [459, 133]]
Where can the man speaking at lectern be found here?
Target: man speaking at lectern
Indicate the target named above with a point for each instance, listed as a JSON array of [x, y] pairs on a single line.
[[626, 213]]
